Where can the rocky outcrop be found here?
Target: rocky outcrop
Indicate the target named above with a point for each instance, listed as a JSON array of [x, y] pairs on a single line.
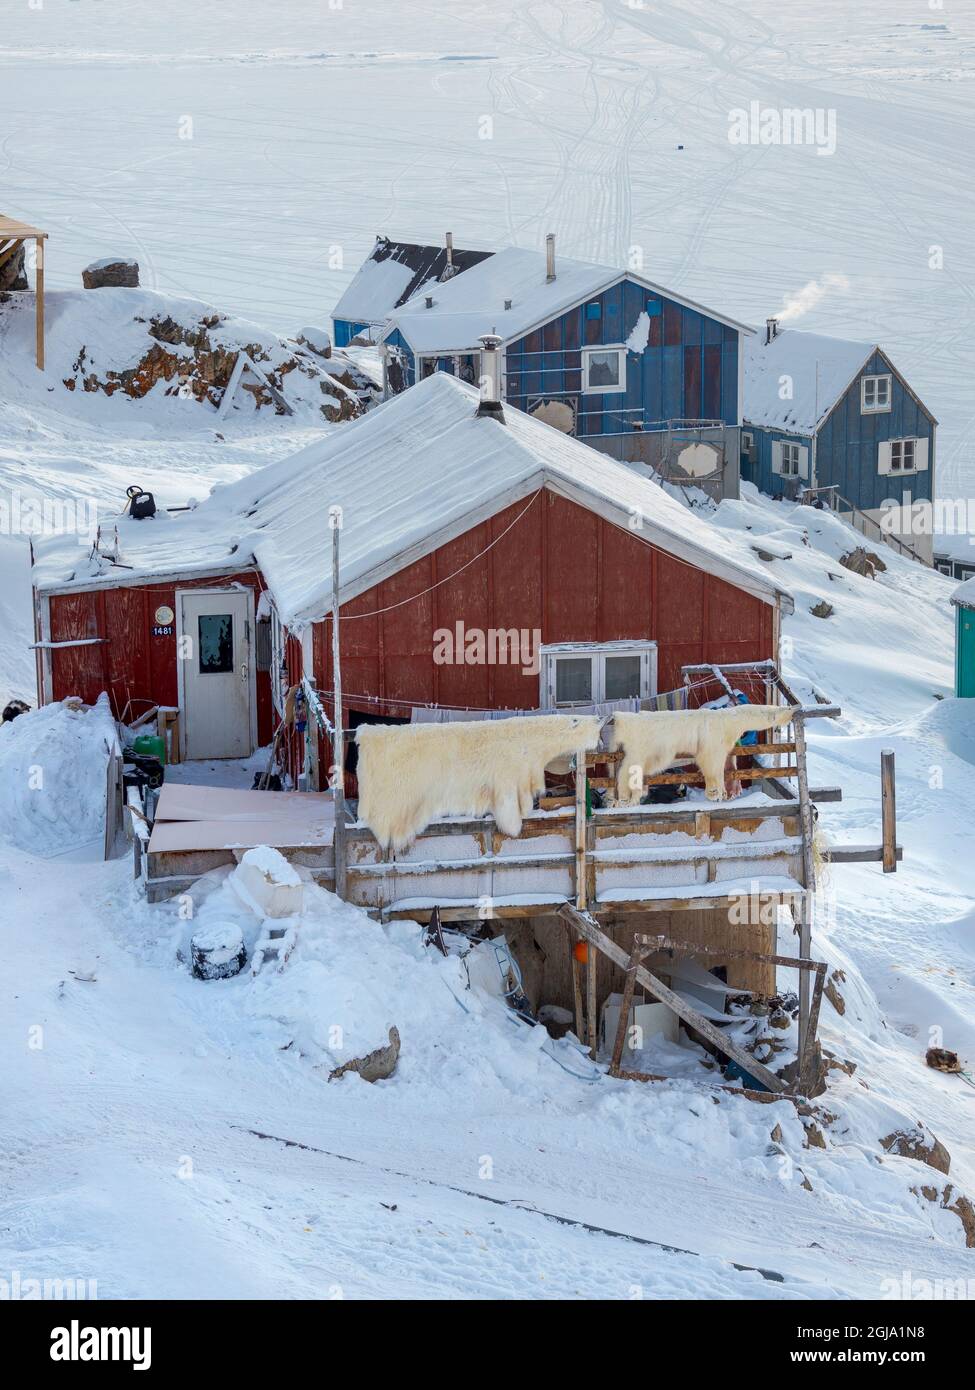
[[921, 1145], [193, 360], [374, 1066], [13, 272], [113, 274], [863, 561]]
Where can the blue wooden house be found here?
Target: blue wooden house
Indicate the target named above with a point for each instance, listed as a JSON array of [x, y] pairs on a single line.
[[636, 371], [837, 416], [391, 274]]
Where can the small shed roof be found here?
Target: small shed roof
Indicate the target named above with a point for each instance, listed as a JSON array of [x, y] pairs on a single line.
[[13, 230], [469, 305], [964, 595], [409, 476], [821, 369], [393, 272]]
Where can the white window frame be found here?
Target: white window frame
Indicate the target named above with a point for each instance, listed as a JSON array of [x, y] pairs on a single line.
[[597, 652], [903, 445], [747, 442], [603, 349], [919, 456], [877, 408], [791, 459]]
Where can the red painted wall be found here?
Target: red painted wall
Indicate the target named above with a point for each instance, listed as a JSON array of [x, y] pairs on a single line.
[[561, 569], [132, 663]]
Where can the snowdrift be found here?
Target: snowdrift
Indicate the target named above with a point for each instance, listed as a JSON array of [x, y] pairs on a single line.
[[53, 765]]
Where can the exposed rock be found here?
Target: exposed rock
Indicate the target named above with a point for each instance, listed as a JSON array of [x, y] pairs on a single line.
[[13, 273], [822, 609], [815, 1138], [917, 1144], [831, 990], [119, 274], [375, 1066], [863, 561], [776, 1135], [964, 1210], [316, 340], [780, 1019]]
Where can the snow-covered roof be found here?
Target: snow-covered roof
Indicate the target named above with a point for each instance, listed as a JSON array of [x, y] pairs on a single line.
[[392, 272], [472, 304], [964, 595], [821, 369], [408, 476]]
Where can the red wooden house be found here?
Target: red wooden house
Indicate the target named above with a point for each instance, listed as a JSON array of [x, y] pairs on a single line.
[[486, 563]]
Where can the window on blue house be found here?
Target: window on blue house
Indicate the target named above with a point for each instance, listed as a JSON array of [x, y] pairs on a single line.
[[594, 310], [604, 369], [874, 394]]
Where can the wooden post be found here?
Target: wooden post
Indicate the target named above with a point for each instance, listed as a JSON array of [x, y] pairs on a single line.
[[339, 847], [889, 807], [580, 769], [629, 987], [39, 301], [591, 959], [809, 876]]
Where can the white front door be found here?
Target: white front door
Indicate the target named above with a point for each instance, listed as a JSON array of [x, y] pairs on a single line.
[[216, 675]]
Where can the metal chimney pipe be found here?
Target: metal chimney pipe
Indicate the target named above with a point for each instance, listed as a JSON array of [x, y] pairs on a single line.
[[550, 258], [449, 238], [490, 402], [771, 330]]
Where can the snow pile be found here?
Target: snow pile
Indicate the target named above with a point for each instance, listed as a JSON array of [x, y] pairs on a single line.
[[53, 765], [814, 368]]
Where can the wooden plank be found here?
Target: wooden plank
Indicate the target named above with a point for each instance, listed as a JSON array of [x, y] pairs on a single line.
[[694, 779], [629, 987], [592, 1022], [888, 797], [860, 854], [809, 881], [807, 1058], [687, 948], [587, 927]]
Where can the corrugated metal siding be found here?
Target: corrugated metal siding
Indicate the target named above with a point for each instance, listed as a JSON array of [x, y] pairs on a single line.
[[689, 369], [562, 570]]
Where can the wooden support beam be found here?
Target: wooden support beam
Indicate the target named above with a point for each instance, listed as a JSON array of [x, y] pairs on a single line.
[[587, 927], [629, 987], [809, 879], [39, 302], [888, 797], [859, 854]]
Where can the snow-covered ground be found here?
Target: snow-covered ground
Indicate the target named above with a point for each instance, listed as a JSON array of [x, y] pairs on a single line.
[[252, 174]]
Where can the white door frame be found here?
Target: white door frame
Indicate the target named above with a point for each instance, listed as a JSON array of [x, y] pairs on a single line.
[[249, 642]]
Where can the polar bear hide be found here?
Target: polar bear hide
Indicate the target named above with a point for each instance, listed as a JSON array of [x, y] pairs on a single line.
[[410, 774], [653, 742]]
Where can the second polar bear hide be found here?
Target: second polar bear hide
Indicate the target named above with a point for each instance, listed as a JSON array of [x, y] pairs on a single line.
[[655, 741]]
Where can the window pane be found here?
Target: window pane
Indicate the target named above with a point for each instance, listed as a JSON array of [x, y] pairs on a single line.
[[622, 677], [216, 643], [573, 680], [604, 369]]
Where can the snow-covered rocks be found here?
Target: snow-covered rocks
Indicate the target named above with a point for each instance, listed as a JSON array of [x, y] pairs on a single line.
[[218, 952], [267, 883], [113, 271]]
